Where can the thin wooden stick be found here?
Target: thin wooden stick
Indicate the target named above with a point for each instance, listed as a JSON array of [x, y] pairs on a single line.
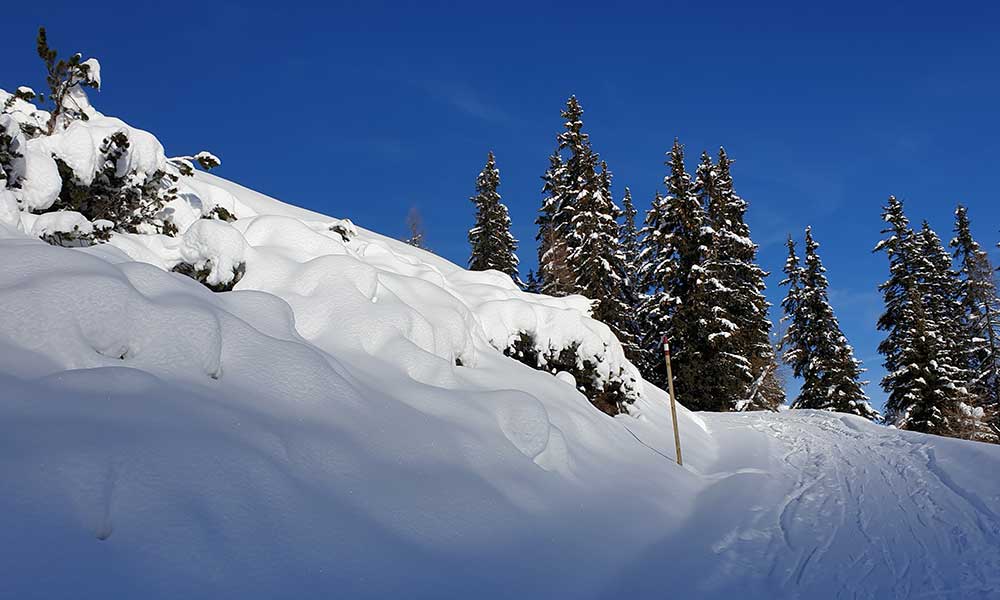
[[673, 402]]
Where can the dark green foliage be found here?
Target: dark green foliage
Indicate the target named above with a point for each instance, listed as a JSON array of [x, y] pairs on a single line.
[[815, 346], [116, 195], [201, 275], [677, 304], [493, 246], [568, 182], [631, 287], [922, 386], [552, 265], [531, 284], [598, 263], [341, 228], [629, 241], [61, 77], [219, 213], [72, 239], [9, 155], [981, 312], [737, 282], [610, 398], [924, 352]]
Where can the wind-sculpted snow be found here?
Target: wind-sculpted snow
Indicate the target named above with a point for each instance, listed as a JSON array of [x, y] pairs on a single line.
[[344, 424]]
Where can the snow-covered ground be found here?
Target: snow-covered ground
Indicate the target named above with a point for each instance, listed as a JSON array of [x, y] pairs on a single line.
[[311, 435]]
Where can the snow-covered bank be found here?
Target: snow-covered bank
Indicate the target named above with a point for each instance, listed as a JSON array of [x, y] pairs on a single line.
[[310, 434], [344, 423]]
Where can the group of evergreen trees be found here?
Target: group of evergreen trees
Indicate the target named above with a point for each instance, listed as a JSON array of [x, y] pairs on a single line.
[[941, 349], [691, 273]]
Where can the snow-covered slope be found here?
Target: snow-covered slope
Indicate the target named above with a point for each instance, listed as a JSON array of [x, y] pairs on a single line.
[[311, 435]]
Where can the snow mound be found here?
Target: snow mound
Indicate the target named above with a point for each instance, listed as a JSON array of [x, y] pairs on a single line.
[[215, 246]]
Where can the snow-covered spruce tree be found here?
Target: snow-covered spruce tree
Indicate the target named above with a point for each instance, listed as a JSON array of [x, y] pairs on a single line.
[[818, 352], [725, 372], [629, 242], [925, 385], [493, 245], [981, 309], [898, 292], [672, 267], [571, 177], [736, 284], [554, 274], [920, 385], [941, 292], [597, 260], [629, 239]]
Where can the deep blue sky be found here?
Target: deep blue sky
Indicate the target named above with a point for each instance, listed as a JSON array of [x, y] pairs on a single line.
[[365, 109]]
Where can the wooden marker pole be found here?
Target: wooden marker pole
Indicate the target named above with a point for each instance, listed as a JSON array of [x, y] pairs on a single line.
[[673, 402]]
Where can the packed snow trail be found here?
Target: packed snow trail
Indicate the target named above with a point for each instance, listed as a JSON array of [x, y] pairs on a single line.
[[815, 504]]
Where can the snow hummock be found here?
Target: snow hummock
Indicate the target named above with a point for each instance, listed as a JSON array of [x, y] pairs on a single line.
[[215, 245], [64, 221]]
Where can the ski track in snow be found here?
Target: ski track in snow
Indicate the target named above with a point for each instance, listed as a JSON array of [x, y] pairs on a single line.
[[862, 512]]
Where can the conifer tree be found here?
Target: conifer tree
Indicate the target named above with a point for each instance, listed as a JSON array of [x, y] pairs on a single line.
[[941, 292], [923, 351], [919, 385], [736, 282], [634, 293], [553, 268], [531, 283], [493, 245], [981, 312], [629, 238], [676, 305], [568, 182], [818, 352], [597, 260]]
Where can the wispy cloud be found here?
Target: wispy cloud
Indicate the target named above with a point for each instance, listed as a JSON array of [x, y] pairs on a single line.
[[467, 100]]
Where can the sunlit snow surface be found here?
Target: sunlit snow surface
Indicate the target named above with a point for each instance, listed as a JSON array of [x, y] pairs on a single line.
[[310, 435]]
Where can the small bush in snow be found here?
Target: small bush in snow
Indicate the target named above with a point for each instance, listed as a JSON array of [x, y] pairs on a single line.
[[220, 214], [9, 153], [345, 228], [127, 199], [203, 275], [611, 397]]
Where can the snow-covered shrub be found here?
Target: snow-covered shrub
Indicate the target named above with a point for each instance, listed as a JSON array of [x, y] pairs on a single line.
[[213, 252], [75, 159], [974, 423], [65, 228], [345, 228], [220, 213], [611, 395], [128, 199], [11, 158]]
